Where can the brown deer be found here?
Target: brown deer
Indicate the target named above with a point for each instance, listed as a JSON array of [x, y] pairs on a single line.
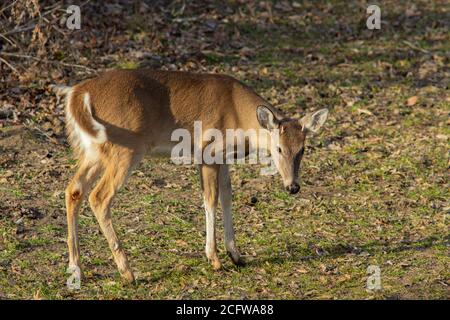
[[115, 119]]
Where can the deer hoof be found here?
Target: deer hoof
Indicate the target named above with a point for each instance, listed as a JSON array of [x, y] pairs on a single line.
[[128, 276], [216, 264], [237, 259]]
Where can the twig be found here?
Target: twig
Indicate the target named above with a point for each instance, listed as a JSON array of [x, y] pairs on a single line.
[[46, 61], [7, 39], [19, 30], [10, 54], [33, 25], [73, 65], [9, 65], [9, 5], [30, 125], [413, 46], [58, 30]]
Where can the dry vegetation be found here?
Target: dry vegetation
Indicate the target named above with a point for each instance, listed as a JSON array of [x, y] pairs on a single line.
[[375, 181]]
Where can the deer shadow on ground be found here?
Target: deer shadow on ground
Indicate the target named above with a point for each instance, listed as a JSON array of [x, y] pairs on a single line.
[[297, 253]]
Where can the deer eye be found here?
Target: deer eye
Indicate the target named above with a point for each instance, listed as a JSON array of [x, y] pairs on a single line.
[[279, 150]]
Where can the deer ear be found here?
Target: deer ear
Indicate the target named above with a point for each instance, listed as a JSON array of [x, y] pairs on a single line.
[[266, 118], [313, 121]]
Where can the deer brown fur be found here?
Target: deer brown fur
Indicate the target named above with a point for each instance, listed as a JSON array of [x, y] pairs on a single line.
[[115, 119]]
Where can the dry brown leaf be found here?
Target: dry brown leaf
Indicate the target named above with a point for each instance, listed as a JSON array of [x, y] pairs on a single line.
[[365, 111], [302, 270], [412, 101]]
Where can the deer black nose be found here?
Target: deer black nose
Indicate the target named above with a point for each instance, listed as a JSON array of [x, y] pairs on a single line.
[[293, 188]]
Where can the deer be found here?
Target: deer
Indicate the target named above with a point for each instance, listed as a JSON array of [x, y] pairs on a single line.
[[118, 117]]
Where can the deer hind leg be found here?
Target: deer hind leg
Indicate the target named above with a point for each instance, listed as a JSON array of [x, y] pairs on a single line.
[[209, 175], [120, 162], [225, 195], [76, 192]]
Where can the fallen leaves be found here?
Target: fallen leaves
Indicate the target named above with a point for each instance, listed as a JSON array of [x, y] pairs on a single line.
[[364, 111], [412, 101]]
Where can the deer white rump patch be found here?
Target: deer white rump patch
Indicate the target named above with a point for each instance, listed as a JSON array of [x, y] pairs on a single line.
[[87, 142], [101, 130]]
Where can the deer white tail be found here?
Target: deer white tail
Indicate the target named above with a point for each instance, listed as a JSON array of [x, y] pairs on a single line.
[[60, 90], [100, 130], [83, 129]]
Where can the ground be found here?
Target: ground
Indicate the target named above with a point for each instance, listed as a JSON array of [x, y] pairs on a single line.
[[374, 182]]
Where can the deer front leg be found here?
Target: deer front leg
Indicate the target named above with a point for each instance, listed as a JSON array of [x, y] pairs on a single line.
[[225, 195], [209, 175]]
